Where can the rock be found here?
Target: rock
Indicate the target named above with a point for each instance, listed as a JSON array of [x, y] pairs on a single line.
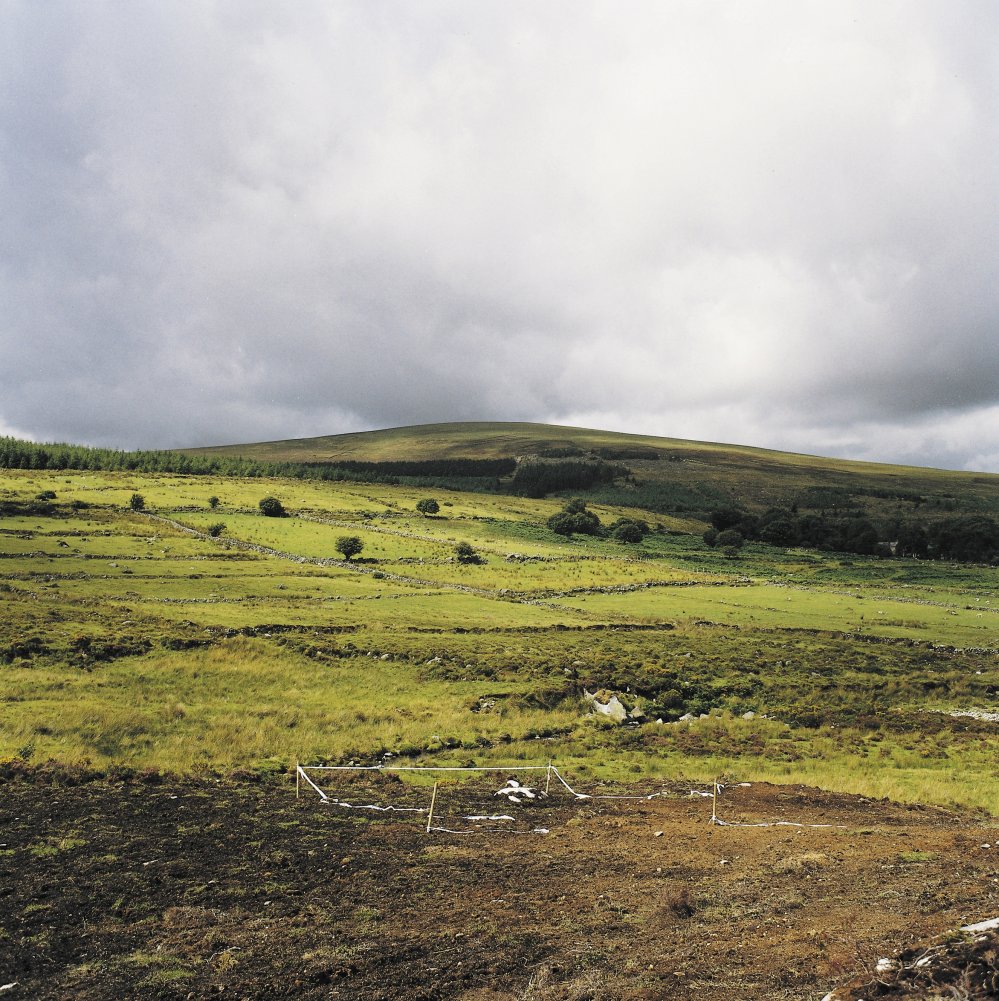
[[612, 709], [686, 717], [749, 715]]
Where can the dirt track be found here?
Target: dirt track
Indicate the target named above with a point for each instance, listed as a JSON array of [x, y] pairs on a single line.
[[196, 889]]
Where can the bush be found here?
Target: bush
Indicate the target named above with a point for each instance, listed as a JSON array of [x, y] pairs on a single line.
[[213, 502], [137, 502], [271, 507], [628, 532], [217, 529], [349, 545], [466, 554], [427, 506], [575, 519]]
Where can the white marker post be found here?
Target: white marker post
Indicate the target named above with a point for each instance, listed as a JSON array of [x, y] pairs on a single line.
[[430, 815]]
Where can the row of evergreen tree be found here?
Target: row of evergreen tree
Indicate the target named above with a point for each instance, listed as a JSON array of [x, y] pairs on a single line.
[[972, 538], [534, 478], [18, 454]]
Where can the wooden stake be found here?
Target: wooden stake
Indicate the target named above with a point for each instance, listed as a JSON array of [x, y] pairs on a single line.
[[298, 778], [548, 778], [430, 816], [714, 802]]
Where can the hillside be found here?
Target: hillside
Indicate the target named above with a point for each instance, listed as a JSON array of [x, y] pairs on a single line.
[[667, 475]]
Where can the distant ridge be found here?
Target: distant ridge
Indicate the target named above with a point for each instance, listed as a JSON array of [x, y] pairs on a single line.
[[489, 439], [752, 477]]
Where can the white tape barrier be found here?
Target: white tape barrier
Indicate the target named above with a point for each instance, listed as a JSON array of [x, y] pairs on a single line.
[[552, 772], [718, 822], [425, 768], [584, 795], [392, 808]]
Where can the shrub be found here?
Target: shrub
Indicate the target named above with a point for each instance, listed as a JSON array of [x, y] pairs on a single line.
[[217, 529], [271, 507], [46, 495], [575, 519], [466, 554], [137, 502], [427, 506], [213, 502], [628, 532]]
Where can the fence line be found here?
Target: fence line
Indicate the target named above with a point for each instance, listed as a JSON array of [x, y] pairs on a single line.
[[550, 770]]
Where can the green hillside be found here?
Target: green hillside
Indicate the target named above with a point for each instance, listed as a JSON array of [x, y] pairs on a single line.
[[670, 475]]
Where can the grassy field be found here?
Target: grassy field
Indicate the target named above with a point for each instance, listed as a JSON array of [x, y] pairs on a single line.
[[134, 639]]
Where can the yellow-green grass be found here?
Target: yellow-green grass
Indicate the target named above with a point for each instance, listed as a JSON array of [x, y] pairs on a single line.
[[769, 606], [247, 700], [136, 583]]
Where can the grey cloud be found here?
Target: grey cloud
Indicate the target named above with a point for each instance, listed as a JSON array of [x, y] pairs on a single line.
[[766, 222]]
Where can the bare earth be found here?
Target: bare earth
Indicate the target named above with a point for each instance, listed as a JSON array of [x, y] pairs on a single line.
[[191, 890]]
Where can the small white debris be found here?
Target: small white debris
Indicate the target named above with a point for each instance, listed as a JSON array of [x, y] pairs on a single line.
[[982, 925], [8, 987], [887, 965], [658, 834], [516, 793]]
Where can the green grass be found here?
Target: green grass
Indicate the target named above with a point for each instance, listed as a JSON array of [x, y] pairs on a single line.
[[127, 640]]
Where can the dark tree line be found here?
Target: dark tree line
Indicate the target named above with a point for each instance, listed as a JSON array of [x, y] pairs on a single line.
[[17, 454], [538, 479], [966, 538], [476, 468]]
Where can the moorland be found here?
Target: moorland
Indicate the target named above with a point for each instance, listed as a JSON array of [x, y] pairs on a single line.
[[824, 631]]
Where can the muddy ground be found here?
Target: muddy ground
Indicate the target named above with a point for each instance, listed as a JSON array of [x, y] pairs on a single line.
[[199, 889]]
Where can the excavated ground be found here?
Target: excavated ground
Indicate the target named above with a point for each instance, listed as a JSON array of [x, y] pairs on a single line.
[[190, 890]]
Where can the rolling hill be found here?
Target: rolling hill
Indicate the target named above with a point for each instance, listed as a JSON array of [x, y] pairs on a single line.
[[668, 475]]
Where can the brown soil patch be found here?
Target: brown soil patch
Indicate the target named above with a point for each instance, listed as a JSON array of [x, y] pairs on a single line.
[[197, 890]]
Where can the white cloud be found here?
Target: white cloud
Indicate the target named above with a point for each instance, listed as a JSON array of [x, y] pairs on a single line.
[[766, 222]]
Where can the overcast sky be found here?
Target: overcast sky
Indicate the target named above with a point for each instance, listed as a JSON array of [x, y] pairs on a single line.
[[770, 222]]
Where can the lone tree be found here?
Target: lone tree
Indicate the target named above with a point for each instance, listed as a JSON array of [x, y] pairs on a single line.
[[427, 506], [137, 502], [213, 502], [216, 530], [349, 545], [272, 507]]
